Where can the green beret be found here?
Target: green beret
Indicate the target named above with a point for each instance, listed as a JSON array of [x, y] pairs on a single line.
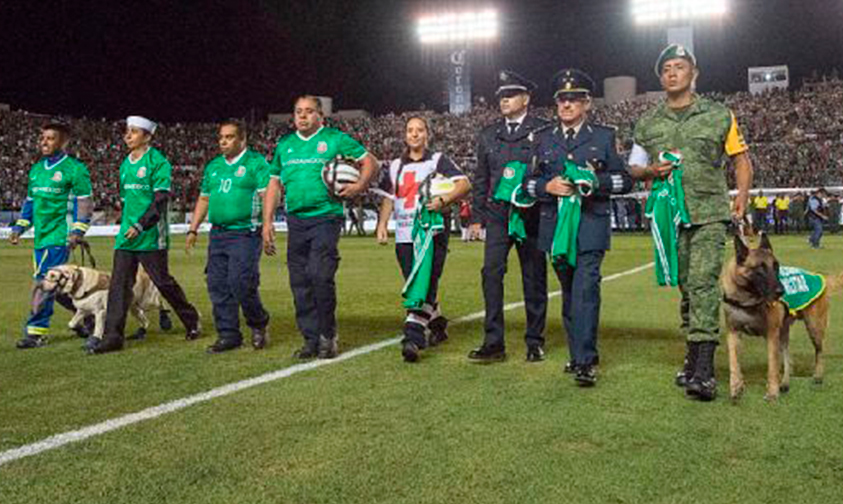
[[674, 51]]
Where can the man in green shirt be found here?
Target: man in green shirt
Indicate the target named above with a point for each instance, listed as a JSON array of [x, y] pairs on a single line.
[[144, 236], [314, 219], [52, 180], [233, 188], [703, 134]]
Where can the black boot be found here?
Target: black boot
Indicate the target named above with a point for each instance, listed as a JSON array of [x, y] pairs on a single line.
[[107, 345], [438, 331], [702, 385], [165, 323], [684, 376]]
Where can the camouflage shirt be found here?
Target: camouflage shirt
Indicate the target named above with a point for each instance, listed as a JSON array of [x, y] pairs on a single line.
[[705, 133]]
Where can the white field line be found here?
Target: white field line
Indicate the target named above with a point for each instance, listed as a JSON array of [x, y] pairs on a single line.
[[59, 440]]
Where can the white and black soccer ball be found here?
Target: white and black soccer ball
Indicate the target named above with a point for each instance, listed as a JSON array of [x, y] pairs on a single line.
[[336, 175], [435, 185]]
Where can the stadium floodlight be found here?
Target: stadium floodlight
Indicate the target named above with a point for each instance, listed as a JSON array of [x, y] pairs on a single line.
[[672, 11], [458, 27]]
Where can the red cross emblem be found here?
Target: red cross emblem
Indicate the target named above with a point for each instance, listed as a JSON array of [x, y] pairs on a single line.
[[408, 189]]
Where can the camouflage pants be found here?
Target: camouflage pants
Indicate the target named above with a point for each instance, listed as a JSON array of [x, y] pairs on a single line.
[[700, 262]]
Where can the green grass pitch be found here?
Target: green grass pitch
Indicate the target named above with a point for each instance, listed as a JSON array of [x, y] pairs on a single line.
[[374, 429]]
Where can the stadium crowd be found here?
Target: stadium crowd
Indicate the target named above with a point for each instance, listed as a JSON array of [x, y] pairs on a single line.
[[796, 140]]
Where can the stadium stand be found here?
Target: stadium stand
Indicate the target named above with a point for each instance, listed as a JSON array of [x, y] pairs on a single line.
[[796, 140]]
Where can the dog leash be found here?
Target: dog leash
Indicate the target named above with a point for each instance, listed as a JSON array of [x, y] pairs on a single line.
[[85, 250], [743, 227]]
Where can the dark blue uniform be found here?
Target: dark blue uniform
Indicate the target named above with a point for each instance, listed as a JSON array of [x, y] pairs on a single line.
[[496, 147], [593, 144]]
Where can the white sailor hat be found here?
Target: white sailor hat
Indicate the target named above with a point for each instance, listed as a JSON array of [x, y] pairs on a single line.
[[142, 123]]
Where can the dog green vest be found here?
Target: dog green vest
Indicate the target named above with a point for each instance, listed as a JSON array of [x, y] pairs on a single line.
[[801, 288]]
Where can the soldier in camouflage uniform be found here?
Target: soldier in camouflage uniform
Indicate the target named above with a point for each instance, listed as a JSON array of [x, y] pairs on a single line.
[[704, 133]]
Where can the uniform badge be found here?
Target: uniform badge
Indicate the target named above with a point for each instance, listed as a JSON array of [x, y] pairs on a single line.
[[322, 147], [240, 171], [680, 51], [508, 172], [57, 177], [142, 172], [503, 76]]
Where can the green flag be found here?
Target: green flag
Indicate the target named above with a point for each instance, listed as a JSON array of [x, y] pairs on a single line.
[[426, 224], [511, 190], [564, 248], [667, 211]]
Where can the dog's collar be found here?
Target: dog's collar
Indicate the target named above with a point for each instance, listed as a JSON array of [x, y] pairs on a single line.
[[738, 304]]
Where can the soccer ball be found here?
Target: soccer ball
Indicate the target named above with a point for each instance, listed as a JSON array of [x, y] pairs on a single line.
[[434, 186], [337, 175]]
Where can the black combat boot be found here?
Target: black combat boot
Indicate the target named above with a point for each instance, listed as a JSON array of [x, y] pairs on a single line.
[[684, 375], [702, 385]]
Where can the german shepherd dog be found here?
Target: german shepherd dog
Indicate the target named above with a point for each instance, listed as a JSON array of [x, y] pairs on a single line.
[[752, 304]]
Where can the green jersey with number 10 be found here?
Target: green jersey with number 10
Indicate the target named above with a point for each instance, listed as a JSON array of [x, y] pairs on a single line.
[[234, 190]]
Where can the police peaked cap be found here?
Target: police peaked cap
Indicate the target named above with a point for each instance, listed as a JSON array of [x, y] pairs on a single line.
[[571, 81], [674, 51], [511, 81]]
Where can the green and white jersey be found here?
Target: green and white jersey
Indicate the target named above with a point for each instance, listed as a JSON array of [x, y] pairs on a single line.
[[139, 181], [234, 190], [298, 162], [50, 187]]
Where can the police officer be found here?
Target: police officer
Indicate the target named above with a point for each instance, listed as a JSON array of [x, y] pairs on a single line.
[[704, 133], [510, 139], [233, 187], [593, 147]]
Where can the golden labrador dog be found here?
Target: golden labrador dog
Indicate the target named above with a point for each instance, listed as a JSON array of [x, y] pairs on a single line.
[[88, 288]]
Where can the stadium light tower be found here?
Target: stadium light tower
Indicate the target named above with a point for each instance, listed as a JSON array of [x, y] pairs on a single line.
[[677, 15], [457, 31]]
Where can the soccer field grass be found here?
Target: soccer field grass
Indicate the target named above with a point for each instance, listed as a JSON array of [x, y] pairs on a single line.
[[374, 429]]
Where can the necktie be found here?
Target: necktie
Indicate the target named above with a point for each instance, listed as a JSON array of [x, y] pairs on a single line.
[[512, 127], [569, 137]]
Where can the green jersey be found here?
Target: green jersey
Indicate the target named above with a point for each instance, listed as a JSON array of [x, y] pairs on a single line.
[[233, 190], [299, 161], [50, 186], [139, 181], [704, 133]]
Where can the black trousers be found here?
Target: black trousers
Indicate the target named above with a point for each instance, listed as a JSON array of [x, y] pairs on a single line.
[[417, 320], [533, 279], [233, 274], [581, 305], [123, 272], [312, 262]]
